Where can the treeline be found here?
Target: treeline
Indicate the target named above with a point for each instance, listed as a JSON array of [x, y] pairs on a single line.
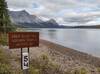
[[85, 27], [5, 22]]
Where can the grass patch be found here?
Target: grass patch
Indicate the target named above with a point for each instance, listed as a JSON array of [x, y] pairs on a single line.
[[5, 67], [80, 71], [3, 39], [83, 71], [43, 65], [98, 69]]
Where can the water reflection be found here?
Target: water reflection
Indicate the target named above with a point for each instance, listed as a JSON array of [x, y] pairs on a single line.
[[52, 34]]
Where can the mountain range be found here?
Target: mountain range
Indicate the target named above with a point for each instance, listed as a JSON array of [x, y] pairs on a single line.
[[24, 19]]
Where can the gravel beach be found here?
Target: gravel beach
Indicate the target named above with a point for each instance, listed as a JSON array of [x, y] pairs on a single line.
[[68, 59]]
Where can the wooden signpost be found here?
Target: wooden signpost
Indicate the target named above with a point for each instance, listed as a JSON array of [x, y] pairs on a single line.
[[23, 40]]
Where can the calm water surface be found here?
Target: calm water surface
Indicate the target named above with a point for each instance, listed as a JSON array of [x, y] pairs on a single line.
[[85, 40]]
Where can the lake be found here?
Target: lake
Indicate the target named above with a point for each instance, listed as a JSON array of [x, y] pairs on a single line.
[[84, 40]]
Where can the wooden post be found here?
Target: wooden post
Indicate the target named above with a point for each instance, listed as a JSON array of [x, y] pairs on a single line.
[[29, 56], [21, 58], [25, 71]]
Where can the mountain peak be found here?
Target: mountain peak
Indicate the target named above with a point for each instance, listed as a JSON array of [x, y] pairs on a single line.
[[24, 11], [19, 12], [24, 19], [53, 21]]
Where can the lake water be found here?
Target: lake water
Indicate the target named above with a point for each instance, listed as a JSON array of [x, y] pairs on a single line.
[[85, 40]]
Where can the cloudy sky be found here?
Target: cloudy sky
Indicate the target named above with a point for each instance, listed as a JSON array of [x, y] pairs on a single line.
[[67, 12]]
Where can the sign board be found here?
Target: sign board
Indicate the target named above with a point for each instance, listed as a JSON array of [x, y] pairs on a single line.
[[23, 39], [25, 61]]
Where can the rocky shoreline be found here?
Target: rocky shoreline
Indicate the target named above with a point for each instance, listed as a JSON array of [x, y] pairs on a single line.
[[76, 55], [68, 59]]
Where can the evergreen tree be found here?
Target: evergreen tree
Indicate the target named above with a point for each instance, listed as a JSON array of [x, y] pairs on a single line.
[[5, 23]]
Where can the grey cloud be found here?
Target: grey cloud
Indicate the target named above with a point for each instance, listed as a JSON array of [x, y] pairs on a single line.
[[19, 4], [53, 7], [77, 20], [50, 5], [82, 19]]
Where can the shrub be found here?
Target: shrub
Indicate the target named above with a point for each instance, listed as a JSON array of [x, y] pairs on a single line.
[[80, 71], [33, 70], [76, 72]]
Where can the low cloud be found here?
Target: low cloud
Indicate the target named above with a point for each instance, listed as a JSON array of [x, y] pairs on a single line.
[[82, 17]]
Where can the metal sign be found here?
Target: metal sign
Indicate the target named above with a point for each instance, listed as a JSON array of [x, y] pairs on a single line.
[[25, 61], [23, 39]]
